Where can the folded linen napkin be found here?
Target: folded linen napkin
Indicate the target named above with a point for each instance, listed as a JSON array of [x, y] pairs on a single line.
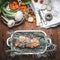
[[55, 12]]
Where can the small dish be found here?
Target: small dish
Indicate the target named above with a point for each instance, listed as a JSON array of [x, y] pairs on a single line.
[[48, 16]]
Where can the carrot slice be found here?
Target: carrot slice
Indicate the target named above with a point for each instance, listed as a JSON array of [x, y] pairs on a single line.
[[35, 44], [17, 43]]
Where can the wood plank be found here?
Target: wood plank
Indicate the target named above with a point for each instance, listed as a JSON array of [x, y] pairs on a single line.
[[53, 33]]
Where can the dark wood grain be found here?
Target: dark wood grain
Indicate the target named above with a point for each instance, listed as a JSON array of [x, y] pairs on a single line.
[[53, 33]]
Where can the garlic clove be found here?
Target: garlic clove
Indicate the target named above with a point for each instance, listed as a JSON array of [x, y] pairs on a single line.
[[18, 16], [11, 23], [30, 19]]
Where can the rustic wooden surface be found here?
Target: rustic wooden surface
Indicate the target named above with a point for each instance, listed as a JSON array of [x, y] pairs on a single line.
[[53, 33]]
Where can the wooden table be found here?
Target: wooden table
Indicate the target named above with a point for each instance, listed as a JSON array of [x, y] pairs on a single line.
[[53, 33]]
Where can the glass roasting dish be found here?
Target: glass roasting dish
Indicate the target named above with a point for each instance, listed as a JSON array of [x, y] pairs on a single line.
[[45, 43]]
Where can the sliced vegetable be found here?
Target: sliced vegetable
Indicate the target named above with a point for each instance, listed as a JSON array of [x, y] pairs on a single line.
[[24, 8], [14, 5], [35, 44], [27, 42], [22, 38], [29, 45], [17, 43]]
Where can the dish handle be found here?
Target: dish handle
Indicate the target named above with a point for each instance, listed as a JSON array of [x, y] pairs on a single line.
[[44, 50], [7, 42], [49, 42]]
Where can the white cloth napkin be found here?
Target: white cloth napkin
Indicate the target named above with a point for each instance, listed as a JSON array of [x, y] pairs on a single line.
[[53, 23]]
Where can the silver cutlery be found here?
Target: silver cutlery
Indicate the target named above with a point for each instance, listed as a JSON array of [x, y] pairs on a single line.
[[41, 18]]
